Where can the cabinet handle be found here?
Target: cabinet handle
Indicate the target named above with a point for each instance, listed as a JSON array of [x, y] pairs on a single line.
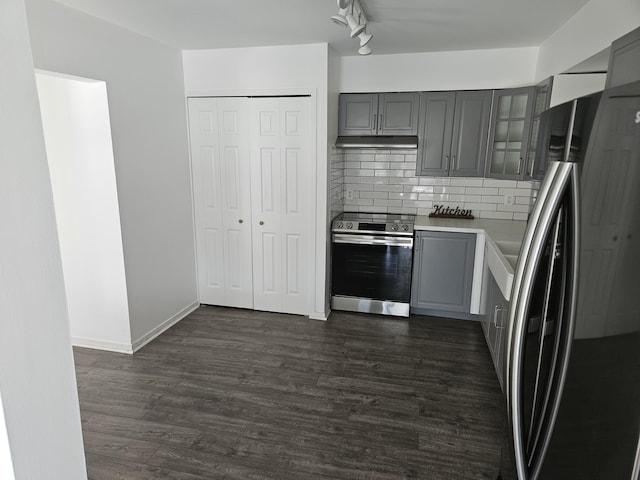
[[453, 163], [240, 221], [520, 164], [261, 222], [498, 310], [375, 122], [533, 166], [380, 123], [446, 162]]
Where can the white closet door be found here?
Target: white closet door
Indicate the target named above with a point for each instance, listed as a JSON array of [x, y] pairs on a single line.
[[282, 188], [221, 186], [266, 204], [298, 208]]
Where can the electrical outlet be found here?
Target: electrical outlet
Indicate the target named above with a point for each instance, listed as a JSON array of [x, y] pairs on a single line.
[[509, 199], [349, 194]]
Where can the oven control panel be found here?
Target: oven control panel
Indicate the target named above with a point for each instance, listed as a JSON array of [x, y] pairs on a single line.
[[374, 224]]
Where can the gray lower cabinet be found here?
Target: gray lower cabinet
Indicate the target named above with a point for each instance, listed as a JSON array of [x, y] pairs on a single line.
[[494, 324], [379, 113], [443, 271], [453, 133]]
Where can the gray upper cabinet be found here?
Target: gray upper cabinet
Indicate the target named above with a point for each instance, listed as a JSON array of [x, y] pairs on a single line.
[[443, 271], [453, 133], [536, 163], [509, 136], [624, 61], [436, 129], [379, 113]]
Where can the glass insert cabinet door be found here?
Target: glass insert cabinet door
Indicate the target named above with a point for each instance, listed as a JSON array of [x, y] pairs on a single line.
[[511, 118], [535, 167]]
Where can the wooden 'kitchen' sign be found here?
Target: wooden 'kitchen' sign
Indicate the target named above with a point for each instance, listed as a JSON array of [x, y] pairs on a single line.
[[440, 211]]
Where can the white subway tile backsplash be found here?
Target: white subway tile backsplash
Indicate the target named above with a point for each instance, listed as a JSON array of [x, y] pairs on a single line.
[[434, 181], [403, 196], [388, 188], [375, 165], [390, 158], [513, 191], [493, 182], [481, 191], [436, 197], [404, 181], [373, 209], [495, 215], [360, 157], [387, 203], [385, 181], [389, 173], [448, 189], [467, 182], [384, 195], [404, 165], [524, 200], [352, 165], [513, 208], [480, 206], [419, 188], [466, 198], [359, 172]]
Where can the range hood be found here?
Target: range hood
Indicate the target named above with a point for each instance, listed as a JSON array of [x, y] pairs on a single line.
[[369, 141]]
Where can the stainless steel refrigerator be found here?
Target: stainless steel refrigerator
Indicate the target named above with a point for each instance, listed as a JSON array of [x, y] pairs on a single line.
[[572, 365]]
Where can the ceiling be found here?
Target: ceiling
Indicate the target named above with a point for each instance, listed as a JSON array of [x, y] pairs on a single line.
[[398, 26]]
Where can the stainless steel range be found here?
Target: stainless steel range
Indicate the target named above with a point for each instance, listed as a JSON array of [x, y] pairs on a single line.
[[372, 256]]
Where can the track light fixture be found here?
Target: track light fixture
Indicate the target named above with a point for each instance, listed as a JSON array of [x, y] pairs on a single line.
[[351, 15], [341, 17]]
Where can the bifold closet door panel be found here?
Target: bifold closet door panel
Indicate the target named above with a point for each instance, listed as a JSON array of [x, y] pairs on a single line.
[[282, 187], [221, 188]]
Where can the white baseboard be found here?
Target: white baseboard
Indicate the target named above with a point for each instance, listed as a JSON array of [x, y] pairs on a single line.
[[320, 316], [101, 345], [164, 326]]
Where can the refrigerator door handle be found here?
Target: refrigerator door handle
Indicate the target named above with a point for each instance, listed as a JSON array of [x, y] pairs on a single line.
[[571, 304], [540, 223]]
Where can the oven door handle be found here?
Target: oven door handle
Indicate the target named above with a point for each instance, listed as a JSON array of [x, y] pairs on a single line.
[[373, 240]]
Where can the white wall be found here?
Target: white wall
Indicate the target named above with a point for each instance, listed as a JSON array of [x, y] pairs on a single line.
[[568, 87], [149, 129], [461, 70], [75, 118], [588, 32], [6, 464], [297, 69], [37, 380]]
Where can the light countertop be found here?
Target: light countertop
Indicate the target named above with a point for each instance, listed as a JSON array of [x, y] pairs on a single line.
[[497, 230]]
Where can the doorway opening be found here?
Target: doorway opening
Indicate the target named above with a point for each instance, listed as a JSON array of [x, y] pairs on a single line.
[[77, 132]]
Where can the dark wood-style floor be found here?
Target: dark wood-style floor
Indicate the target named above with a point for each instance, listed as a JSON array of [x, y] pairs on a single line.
[[237, 394]]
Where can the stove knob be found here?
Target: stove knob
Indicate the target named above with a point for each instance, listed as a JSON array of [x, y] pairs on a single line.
[[349, 225], [339, 225], [394, 228], [405, 228]]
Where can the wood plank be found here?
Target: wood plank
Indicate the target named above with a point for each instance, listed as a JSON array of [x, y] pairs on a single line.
[[236, 394]]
